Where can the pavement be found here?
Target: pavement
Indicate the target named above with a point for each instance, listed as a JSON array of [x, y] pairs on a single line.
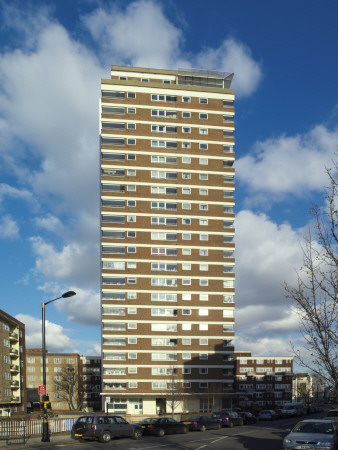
[[61, 439]]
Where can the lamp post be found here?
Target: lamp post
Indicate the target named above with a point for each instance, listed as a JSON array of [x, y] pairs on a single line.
[[45, 431]]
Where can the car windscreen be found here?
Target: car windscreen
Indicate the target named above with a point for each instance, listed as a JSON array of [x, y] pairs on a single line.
[[314, 427]]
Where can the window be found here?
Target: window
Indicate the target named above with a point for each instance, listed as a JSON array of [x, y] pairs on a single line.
[[131, 126], [204, 237], [186, 312], [131, 203], [186, 191], [204, 221], [186, 326], [186, 115], [145, 80], [131, 110], [186, 144], [186, 160], [131, 95], [133, 384], [186, 130], [131, 142], [186, 99], [203, 356], [203, 116], [186, 355], [132, 326], [186, 251], [186, 221], [203, 385], [163, 98], [186, 236], [203, 312], [203, 371], [203, 191], [203, 326], [203, 176], [203, 130], [203, 161], [203, 101], [186, 176], [204, 297], [204, 282], [186, 281], [186, 205], [186, 296], [204, 267], [203, 146], [204, 341], [186, 341], [131, 249], [131, 157], [186, 371], [186, 266]]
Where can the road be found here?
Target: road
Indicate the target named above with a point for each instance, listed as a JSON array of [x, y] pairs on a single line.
[[262, 436]]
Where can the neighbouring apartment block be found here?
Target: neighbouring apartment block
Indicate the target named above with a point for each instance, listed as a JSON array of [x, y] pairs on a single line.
[[92, 382], [262, 381], [12, 366], [63, 375], [167, 240]]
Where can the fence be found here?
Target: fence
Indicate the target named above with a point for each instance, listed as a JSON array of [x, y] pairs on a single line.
[[21, 429]]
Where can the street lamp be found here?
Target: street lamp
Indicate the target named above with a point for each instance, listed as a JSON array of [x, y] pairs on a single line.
[[45, 431]]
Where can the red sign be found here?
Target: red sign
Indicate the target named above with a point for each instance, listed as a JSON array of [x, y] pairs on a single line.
[[42, 390]]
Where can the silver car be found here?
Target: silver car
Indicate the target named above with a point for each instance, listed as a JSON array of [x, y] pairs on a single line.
[[312, 434]]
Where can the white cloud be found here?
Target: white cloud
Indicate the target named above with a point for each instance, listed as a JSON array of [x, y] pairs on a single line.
[[75, 263], [266, 256], [286, 166], [14, 193], [139, 35], [8, 228], [56, 337], [233, 56], [84, 308]]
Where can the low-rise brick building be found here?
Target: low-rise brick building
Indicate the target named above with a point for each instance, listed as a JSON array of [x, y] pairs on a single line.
[[262, 381]]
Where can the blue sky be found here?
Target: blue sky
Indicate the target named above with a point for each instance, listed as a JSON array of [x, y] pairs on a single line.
[[53, 55]]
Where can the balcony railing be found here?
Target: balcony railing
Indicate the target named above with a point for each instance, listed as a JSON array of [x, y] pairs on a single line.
[[13, 335], [14, 368]]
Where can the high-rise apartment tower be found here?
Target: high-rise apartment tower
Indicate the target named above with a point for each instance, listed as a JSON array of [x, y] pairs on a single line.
[[167, 240]]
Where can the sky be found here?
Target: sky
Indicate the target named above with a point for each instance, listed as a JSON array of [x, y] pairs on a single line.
[[53, 55]]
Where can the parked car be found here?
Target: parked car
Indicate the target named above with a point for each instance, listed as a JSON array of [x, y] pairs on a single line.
[[162, 426], [247, 417], [104, 428], [228, 418], [281, 413], [202, 423], [332, 415], [312, 434], [267, 414]]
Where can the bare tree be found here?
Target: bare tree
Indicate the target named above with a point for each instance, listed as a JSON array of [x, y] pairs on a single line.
[[69, 384], [176, 390], [314, 296]]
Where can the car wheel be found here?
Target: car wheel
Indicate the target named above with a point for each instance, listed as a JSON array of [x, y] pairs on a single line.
[[185, 430], [202, 428], [219, 426], [137, 434], [160, 432], [105, 437]]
